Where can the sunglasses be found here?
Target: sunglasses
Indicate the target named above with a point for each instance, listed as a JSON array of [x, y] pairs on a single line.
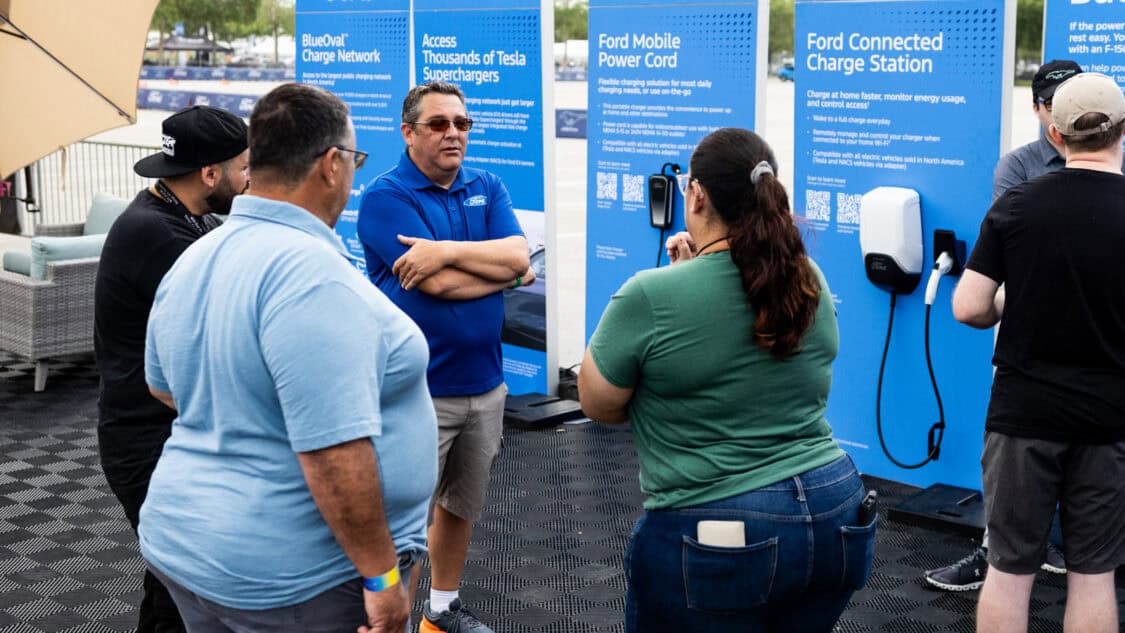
[[359, 157], [683, 181], [1046, 103], [441, 125]]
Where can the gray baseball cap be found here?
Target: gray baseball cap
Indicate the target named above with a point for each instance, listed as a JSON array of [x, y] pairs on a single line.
[[1084, 94]]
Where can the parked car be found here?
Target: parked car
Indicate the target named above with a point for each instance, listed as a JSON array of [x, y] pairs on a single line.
[[525, 309], [786, 72]]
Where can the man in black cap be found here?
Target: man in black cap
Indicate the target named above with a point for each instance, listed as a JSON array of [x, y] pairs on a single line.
[[203, 165], [1040, 156], [1028, 162]]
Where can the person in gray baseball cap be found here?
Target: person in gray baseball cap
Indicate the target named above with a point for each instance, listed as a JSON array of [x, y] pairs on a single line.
[[1048, 260], [203, 164]]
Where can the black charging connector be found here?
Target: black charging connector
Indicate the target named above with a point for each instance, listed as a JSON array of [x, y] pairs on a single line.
[[947, 242], [661, 193]]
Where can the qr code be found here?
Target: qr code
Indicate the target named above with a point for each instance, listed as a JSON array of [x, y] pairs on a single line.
[[632, 188], [818, 205], [607, 186], [847, 208]]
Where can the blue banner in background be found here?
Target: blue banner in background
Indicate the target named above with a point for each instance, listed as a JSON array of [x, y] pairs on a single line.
[[904, 94], [495, 56], [570, 123], [362, 54], [662, 76], [156, 99], [175, 100], [1090, 32], [576, 74], [228, 73]]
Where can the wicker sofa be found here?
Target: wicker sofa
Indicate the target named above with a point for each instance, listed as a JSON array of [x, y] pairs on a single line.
[[52, 314]]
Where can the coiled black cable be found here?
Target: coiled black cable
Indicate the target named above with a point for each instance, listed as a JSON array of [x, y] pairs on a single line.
[[937, 431]]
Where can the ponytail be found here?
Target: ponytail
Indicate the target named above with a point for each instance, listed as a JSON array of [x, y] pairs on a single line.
[[779, 281]]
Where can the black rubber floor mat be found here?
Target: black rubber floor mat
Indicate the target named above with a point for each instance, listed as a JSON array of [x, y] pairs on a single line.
[[545, 557]]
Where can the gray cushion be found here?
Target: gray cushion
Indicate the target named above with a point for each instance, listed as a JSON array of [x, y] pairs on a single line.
[[17, 262], [50, 249], [103, 211]]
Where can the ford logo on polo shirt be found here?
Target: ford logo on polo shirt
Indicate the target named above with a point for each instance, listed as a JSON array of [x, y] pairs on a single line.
[[476, 201]]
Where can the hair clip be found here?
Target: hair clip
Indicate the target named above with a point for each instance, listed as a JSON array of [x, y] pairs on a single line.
[[759, 170]]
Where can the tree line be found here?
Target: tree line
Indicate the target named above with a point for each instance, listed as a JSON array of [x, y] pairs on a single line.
[[229, 19], [224, 20], [571, 23]]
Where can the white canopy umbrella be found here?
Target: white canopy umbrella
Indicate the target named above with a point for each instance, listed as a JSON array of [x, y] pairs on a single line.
[[68, 70]]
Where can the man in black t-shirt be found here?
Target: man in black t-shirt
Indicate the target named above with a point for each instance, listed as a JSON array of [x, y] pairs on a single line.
[[1018, 166], [203, 165], [1055, 429]]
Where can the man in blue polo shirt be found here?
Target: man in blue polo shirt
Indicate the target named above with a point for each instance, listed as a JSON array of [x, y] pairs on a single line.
[[294, 488], [442, 242]]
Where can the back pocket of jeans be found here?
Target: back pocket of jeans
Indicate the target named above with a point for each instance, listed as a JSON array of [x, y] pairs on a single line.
[[858, 547], [728, 578]]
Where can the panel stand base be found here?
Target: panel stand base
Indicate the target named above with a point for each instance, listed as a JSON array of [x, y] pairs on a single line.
[[943, 507], [538, 411]]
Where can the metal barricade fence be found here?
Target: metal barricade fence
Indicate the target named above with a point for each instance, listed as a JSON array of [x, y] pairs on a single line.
[[64, 182]]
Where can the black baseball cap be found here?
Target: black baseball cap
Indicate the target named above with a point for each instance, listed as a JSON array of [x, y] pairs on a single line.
[[1050, 75], [194, 138]]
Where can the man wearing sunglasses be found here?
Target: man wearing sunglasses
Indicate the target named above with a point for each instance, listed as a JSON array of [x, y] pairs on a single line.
[[441, 240]]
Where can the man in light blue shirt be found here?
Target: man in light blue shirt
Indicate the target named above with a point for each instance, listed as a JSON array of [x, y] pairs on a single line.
[[296, 481]]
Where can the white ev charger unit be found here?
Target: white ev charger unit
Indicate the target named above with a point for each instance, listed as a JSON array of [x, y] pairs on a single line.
[[890, 235]]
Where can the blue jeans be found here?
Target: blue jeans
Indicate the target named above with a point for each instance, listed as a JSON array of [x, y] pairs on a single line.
[[804, 557]]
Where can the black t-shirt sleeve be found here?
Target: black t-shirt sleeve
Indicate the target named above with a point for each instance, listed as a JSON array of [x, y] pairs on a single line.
[[166, 247], [987, 257]]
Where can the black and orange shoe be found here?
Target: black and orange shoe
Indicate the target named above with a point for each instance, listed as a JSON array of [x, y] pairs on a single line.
[[456, 620]]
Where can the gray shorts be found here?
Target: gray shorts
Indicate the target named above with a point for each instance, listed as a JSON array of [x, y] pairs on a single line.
[[1024, 480], [337, 610], [470, 429]]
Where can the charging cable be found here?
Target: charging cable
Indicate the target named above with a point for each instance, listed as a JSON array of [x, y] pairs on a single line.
[[942, 266]]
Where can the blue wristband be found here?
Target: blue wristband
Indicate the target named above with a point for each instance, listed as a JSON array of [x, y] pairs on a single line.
[[385, 581]]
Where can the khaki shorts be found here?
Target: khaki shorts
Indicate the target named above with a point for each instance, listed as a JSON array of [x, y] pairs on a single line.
[[470, 429], [1024, 479]]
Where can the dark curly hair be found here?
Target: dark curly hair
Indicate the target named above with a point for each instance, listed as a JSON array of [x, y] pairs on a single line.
[[778, 277]]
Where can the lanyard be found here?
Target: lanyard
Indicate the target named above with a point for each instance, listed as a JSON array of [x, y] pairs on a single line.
[[166, 194]]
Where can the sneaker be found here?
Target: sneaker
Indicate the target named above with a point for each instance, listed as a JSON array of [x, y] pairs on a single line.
[[1055, 562], [456, 620], [964, 575]]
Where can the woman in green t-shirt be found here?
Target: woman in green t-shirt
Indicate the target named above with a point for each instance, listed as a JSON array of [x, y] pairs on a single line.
[[722, 363]]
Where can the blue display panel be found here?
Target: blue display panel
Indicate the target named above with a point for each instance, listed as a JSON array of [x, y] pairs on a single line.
[[1090, 32], [905, 94], [662, 76], [359, 50]]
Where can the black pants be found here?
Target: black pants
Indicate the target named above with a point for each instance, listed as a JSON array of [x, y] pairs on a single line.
[[128, 478]]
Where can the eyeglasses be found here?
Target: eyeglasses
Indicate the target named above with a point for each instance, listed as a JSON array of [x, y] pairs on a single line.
[[1046, 103], [683, 181], [359, 157], [441, 125]]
